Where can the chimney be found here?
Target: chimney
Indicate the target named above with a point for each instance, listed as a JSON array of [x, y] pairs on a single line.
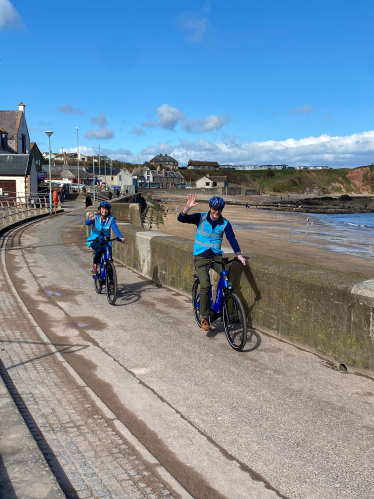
[[21, 107]]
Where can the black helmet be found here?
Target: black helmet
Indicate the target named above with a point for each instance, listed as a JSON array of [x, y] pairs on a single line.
[[105, 204], [217, 203]]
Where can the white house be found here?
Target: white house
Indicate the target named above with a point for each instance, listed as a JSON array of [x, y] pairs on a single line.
[[210, 182], [18, 176], [115, 177]]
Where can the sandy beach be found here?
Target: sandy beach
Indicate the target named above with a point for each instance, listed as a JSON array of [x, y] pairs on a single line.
[[283, 235]]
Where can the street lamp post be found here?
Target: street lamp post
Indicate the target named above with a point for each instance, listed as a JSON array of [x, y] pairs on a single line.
[[111, 165], [77, 155], [106, 186], [49, 133], [99, 160], [93, 175]]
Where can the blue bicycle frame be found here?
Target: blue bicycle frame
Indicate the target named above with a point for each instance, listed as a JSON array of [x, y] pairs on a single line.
[[223, 284], [105, 257]]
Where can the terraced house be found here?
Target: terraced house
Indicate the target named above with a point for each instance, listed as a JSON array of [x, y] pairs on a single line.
[[163, 179]]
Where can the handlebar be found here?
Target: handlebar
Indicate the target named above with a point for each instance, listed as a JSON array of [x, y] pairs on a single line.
[[107, 239], [225, 261]]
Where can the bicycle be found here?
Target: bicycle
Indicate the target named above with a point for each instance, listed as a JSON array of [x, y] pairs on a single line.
[[106, 272], [227, 306]]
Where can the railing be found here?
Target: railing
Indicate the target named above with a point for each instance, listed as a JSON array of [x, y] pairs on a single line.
[[14, 209]]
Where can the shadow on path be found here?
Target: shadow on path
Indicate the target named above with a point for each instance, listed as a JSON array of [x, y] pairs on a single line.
[[6, 487]]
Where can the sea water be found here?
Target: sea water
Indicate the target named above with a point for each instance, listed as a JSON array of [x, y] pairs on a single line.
[[352, 234]]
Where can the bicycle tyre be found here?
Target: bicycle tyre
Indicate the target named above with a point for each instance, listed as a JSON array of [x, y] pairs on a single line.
[[98, 281], [234, 322], [196, 301], [111, 283]]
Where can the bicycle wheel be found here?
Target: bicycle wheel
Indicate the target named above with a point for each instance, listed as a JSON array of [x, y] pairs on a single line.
[[234, 322], [111, 283], [98, 281], [196, 301]]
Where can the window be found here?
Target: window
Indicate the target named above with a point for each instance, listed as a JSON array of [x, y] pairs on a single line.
[[23, 144], [120, 178], [214, 184], [207, 184]]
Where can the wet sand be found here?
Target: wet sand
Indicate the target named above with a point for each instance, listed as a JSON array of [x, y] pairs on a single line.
[[282, 235]]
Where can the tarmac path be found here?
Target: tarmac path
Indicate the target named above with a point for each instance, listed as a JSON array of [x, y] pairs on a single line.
[[272, 421]]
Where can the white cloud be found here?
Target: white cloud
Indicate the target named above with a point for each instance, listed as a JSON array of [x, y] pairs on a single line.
[[9, 17], [100, 120], [161, 148], [169, 117], [69, 109], [302, 110], [101, 134], [351, 150], [137, 131], [201, 125], [194, 24]]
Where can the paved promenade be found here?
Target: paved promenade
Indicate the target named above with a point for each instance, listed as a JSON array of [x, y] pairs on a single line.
[[78, 443], [97, 385]]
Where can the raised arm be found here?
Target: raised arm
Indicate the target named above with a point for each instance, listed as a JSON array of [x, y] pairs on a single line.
[[90, 219], [189, 219], [191, 202]]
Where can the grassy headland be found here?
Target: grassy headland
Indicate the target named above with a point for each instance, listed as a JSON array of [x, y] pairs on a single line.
[[358, 180]]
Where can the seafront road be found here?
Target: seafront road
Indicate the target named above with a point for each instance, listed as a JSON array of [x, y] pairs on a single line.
[[135, 401]]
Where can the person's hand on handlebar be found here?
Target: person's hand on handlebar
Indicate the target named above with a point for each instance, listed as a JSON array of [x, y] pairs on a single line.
[[122, 239], [241, 259], [191, 202]]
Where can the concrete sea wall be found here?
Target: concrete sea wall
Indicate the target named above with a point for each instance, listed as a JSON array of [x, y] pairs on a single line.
[[327, 310]]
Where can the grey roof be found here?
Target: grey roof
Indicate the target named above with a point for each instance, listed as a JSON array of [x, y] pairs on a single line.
[[59, 172], [218, 178], [84, 174], [164, 158], [55, 170], [115, 171], [8, 121], [169, 175], [15, 164], [202, 163], [67, 173]]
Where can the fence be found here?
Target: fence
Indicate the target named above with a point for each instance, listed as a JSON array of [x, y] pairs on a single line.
[[14, 209]]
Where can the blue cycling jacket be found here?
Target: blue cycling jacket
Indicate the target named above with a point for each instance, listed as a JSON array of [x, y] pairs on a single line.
[[102, 227]]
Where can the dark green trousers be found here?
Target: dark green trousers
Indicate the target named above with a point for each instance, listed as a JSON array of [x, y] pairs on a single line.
[[203, 273]]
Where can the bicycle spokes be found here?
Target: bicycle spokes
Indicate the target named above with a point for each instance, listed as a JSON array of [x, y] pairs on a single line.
[[234, 321]]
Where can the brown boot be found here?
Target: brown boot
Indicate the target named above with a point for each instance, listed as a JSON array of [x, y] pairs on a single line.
[[205, 323]]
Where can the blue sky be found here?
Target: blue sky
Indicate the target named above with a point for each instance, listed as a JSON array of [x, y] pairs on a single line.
[[237, 82]]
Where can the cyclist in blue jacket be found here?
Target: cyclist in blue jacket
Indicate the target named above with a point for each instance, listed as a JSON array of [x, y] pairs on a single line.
[[208, 240], [101, 223]]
